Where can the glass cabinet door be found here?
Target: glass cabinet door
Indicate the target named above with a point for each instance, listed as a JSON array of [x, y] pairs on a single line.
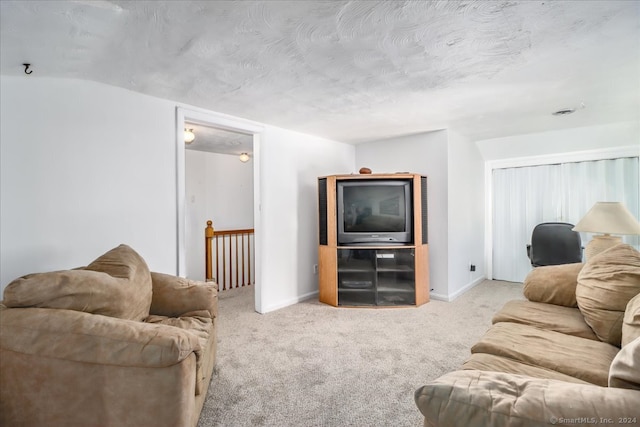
[[395, 270], [356, 276], [376, 276]]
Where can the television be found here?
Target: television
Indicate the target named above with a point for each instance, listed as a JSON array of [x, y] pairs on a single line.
[[374, 212]]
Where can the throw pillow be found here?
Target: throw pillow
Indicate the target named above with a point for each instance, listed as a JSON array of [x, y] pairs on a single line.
[[117, 284], [553, 284], [606, 284], [625, 368]]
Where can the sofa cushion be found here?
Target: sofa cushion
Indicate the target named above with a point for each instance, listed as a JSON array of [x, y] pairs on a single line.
[[117, 284], [493, 363], [553, 284], [551, 317], [625, 368], [581, 358], [496, 399], [631, 321], [605, 285]]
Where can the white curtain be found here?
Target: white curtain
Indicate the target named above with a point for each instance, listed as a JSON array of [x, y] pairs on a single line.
[[526, 196]]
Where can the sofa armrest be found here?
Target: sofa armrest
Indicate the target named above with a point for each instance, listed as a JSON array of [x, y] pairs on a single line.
[[174, 296], [93, 338], [499, 399], [553, 284]]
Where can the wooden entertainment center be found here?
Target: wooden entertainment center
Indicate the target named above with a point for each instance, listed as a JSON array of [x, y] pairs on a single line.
[[373, 273]]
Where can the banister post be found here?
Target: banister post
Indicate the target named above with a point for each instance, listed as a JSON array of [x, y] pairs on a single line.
[[208, 235]]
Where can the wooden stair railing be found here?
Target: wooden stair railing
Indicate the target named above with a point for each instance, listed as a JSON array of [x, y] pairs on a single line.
[[208, 235], [234, 257]]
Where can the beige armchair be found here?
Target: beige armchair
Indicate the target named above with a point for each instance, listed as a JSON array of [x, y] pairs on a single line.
[[110, 344]]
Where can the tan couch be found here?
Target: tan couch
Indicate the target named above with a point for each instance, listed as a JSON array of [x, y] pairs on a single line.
[[569, 354], [110, 344]]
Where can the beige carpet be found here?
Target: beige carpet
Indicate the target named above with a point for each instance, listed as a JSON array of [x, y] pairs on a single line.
[[315, 365]]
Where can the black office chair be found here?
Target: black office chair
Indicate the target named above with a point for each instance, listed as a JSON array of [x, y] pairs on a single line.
[[554, 243]]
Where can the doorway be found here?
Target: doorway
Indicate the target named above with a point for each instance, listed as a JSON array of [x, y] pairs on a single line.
[[219, 140]]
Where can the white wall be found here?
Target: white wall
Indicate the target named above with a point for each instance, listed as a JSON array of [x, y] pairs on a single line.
[[196, 215], [219, 187], [561, 141], [290, 164], [466, 214], [426, 154], [84, 167]]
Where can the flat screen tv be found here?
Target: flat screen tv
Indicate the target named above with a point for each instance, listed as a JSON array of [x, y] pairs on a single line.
[[374, 212]]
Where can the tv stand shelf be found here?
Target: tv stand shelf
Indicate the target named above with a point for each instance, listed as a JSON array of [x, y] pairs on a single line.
[[372, 274]]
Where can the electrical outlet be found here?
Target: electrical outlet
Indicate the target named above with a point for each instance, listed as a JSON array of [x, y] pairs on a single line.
[[315, 268], [472, 267]]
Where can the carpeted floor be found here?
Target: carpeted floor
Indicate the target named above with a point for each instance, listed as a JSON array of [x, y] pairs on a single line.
[[315, 365]]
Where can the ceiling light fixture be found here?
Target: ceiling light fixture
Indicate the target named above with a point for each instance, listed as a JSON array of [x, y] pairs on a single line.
[[189, 136], [244, 157], [564, 112]]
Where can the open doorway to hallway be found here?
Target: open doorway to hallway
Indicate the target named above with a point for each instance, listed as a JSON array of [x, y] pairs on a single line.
[[219, 188], [216, 173]]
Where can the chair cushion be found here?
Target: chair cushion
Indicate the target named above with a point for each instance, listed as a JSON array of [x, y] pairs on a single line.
[[606, 284], [117, 284], [555, 243], [75, 336], [553, 284]]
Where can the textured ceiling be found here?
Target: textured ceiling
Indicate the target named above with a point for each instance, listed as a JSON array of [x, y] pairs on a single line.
[[349, 70]]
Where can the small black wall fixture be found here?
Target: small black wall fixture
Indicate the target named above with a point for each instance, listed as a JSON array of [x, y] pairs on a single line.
[[26, 69]]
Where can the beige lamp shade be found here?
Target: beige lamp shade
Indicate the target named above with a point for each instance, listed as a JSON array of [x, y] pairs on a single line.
[[606, 218]]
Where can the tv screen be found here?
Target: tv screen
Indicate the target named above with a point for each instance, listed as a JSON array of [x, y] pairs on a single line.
[[374, 211]]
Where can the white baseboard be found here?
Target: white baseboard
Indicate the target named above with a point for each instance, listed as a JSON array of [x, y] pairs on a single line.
[[432, 295], [449, 298], [291, 301], [439, 297]]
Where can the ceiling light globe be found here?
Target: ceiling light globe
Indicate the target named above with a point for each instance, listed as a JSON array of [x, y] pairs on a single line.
[[189, 136]]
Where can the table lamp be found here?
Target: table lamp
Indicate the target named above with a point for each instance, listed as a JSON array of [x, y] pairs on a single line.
[[607, 218]]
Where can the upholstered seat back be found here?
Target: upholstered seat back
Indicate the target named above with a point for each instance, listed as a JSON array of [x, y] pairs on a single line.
[[554, 243], [117, 284]]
